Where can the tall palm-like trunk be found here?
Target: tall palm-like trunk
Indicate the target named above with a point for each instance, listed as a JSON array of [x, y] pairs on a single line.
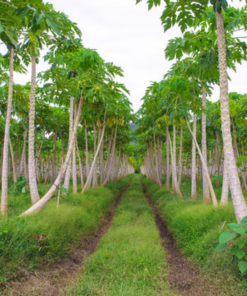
[[180, 165], [215, 203], [235, 186], [206, 196], [101, 160], [173, 161], [80, 165], [90, 175], [108, 171], [95, 181], [13, 161], [68, 171], [31, 156], [193, 162], [86, 144], [225, 186], [74, 170], [4, 196], [43, 201], [157, 177], [109, 147], [118, 164], [74, 173], [167, 159]]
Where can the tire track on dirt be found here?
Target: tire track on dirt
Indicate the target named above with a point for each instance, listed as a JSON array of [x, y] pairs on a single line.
[[184, 278]]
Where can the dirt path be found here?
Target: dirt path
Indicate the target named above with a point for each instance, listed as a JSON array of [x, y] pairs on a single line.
[[184, 277], [52, 279]]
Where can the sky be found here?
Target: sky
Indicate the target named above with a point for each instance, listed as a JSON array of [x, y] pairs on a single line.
[[131, 37]]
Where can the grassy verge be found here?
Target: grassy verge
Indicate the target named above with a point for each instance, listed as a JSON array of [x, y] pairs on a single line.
[[51, 233], [129, 259], [196, 228]]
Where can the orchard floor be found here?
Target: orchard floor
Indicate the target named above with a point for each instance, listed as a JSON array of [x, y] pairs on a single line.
[[131, 253]]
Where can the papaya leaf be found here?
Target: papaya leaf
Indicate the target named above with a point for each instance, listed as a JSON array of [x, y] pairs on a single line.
[[221, 247], [244, 220], [226, 236], [242, 267]]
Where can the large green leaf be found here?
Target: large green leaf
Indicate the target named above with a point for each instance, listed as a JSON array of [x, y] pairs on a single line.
[[244, 220], [220, 247], [226, 236], [239, 253], [242, 267]]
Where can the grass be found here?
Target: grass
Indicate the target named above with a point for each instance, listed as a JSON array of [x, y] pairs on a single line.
[[197, 227], [78, 216], [129, 259]]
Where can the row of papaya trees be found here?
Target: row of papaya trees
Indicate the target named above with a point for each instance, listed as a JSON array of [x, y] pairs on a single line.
[[73, 119], [176, 104]]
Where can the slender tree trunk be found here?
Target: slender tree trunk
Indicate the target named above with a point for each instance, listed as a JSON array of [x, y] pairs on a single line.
[[74, 173], [101, 160], [31, 155], [206, 196], [225, 186], [43, 201], [215, 203], [173, 161], [88, 182], [109, 147], [167, 159], [108, 171], [157, 163], [235, 186], [95, 183], [62, 149], [118, 164], [4, 194], [193, 164], [13, 161], [68, 172], [80, 165], [86, 143], [180, 157]]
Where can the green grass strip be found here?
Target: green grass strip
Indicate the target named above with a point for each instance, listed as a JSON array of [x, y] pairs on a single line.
[[129, 259], [77, 217]]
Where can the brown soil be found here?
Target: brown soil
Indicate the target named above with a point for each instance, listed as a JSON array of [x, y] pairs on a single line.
[[184, 277], [52, 279]]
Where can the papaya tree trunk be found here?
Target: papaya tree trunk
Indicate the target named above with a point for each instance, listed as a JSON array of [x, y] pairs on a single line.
[[43, 201], [193, 162], [31, 156], [206, 196], [225, 186], [13, 161], [74, 170], [101, 160], [167, 159], [68, 171], [88, 182], [95, 183], [111, 157], [4, 194], [80, 165], [235, 186], [215, 203], [173, 161], [180, 165]]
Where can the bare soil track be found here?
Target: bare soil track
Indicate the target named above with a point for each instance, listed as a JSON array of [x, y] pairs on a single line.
[[52, 279], [184, 277]]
